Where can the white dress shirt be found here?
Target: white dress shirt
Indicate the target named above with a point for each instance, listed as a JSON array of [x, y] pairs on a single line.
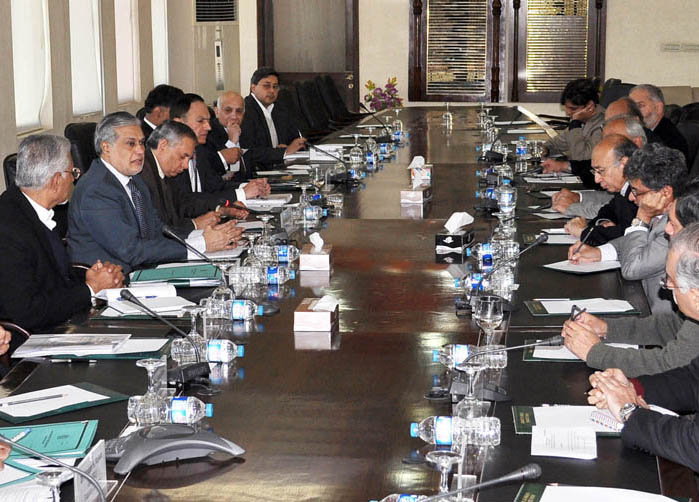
[[267, 112]]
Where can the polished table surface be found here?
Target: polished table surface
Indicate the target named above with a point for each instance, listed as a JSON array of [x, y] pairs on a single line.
[[326, 416]]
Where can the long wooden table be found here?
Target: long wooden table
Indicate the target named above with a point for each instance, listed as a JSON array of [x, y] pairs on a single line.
[[326, 417]]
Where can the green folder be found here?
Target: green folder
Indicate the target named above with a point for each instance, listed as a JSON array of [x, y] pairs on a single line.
[[537, 310], [112, 397], [524, 418], [63, 439], [532, 492], [157, 354], [185, 276]]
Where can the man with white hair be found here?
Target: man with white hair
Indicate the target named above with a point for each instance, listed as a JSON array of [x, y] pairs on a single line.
[[666, 436], [40, 288]]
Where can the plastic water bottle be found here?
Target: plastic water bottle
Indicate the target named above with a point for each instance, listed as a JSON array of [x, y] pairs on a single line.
[[182, 351], [485, 257], [280, 275], [470, 281], [401, 497], [223, 351], [521, 148], [486, 193], [433, 430], [188, 410], [313, 214], [484, 173], [451, 355], [244, 310], [286, 253], [506, 196]]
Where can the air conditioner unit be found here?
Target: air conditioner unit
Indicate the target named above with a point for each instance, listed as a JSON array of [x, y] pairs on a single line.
[[215, 12]]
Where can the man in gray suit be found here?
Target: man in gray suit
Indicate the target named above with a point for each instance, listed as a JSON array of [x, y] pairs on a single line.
[[656, 174]]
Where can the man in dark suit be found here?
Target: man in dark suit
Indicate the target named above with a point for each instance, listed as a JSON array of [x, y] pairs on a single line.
[[267, 128], [111, 215], [224, 138], [40, 288], [157, 106], [651, 102]]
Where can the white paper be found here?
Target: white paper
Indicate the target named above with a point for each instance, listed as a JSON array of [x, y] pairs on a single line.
[[567, 442], [561, 239], [552, 216], [327, 303], [29, 491], [250, 225], [72, 343], [224, 254], [569, 416], [562, 352], [553, 179], [584, 268], [138, 345], [593, 305], [273, 200], [72, 395], [37, 463], [159, 305], [317, 242], [149, 290], [550, 231], [512, 122], [525, 131], [272, 173], [598, 494], [458, 220]]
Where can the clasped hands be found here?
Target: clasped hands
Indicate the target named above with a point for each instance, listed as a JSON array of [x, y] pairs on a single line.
[[612, 390]]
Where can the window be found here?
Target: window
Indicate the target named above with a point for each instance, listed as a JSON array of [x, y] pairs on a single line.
[[127, 50], [85, 56], [31, 61], [158, 10]]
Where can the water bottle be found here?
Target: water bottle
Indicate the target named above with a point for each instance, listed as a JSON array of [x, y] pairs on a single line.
[[188, 410], [484, 173], [401, 497], [485, 257], [451, 355], [244, 310], [182, 351], [521, 148], [471, 281], [313, 214], [223, 351], [486, 193], [287, 253], [506, 196], [280, 275], [433, 430]]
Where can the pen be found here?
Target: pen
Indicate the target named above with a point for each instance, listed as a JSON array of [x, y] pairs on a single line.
[[21, 435], [33, 400], [598, 222], [88, 361]]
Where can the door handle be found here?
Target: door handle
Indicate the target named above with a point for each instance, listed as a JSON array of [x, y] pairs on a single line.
[[349, 76]]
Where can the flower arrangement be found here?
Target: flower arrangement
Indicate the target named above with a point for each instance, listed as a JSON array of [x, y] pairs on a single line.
[[380, 99]]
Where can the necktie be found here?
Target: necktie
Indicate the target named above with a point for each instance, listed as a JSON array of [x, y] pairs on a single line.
[[139, 206]]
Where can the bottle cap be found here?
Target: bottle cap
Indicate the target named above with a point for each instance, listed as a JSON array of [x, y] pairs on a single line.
[[240, 350], [414, 427], [209, 410], [435, 356], [260, 310], [506, 181]]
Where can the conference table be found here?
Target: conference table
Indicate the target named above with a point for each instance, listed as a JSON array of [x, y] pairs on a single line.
[[326, 416]]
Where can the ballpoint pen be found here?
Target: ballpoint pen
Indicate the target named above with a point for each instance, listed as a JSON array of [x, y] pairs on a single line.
[[88, 361], [32, 400], [21, 435]]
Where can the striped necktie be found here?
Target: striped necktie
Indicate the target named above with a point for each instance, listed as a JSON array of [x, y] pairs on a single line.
[[139, 206]]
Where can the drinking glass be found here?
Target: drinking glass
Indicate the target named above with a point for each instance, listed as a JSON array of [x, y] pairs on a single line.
[[151, 408], [53, 477], [194, 311], [470, 405], [356, 154], [496, 360], [447, 117], [488, 313], [444, 460]]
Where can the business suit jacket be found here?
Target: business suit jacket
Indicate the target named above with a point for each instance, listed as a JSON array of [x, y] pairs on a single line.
[[620, 210], [642, 256], [577, 142], [673, 438], [214, 189], [146, 129], [671, 137], [34, 293], [255, 134], [216, 141], [102, 224]]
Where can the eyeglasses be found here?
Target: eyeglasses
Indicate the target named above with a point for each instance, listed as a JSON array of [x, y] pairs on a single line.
[[75, 173], [664, 283], [637, 194], [598, 170], [269, 86]]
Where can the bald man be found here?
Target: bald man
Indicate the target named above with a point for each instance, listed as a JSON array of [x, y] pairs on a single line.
[[224, 137]]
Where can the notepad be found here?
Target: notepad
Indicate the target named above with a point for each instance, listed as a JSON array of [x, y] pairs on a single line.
[[536, 492], [525, 131], [269, 202], [182, 275], [560, 238], [10, 478], [566, 442], [526, 417], [593, 305], [160, 305], [133, 348], [63, 439], [70, 395], [583, 268], [561, 352], [552, 216], [73, 343], [228, 254], [512, 122]]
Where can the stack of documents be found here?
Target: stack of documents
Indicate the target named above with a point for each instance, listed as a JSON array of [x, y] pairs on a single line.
[[601, 422], [159, 297], [269, 202], [593, 305], [535, 492], [73, 344], [567, 442], [179, 274], [43, 345], [552, 178], [559, 236], [583, 268]]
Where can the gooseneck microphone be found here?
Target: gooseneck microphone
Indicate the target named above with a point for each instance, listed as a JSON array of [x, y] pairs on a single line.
[[529, 471], [554, 340], [54, 461], [168, 232], [182, 373], [385, 127]]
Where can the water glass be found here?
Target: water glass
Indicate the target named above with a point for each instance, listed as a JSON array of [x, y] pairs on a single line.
[[496, 360]]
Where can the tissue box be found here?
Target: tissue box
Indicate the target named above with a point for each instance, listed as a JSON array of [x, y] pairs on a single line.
[[417, 195], [414, 211], [315, 278], [459, 239], [306, 319], [310, 260], [317, 340], [457, 257], [423, 174]]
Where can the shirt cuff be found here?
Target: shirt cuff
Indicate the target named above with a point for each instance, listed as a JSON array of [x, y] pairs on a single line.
[[240, 193], [223, 160], [580, 194], [93, 299], [608, 252], [637, 228], [198, 243], [230, 144]]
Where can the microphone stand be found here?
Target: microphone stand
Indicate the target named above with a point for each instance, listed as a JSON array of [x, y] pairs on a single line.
[[332, 156], [385, 127], [168, 232], [54, 461]]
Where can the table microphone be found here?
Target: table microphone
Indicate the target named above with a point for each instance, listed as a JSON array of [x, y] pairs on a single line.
[[529, 471], [168, 232], [332, 156], [54, 461], [182, 373], [554, 340], [388, 138]]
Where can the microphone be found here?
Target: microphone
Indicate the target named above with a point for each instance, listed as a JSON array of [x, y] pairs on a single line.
[[332, 156], [54, 461], [168, 232], [388, 137], [529, 471], [181, 373], [554, 340]]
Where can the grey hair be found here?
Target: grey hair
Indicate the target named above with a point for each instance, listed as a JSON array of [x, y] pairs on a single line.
[[654, 92], [106, 129], [218, 101], [635, 128], [39, 158], [172, 132], [686, 243]]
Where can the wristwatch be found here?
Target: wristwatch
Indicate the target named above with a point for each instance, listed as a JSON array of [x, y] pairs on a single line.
[[626, 411], [637, 222]]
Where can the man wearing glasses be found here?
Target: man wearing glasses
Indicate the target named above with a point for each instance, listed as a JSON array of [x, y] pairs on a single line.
[[266, 127], [656, 174], [40, 288]]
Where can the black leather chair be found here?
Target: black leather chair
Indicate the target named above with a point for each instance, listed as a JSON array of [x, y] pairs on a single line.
[[673, 113], [690, 131], [333, 101], [82, 143], [690, 112], [312, 106], [288, 98], [9, 169], [611, 93]]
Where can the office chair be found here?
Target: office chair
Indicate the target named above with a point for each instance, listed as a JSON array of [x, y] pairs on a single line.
[[9, 169], [288, 99], [613, 92], [82, 147], [690, 112], [673, 113], [333, 101], [690, 131]]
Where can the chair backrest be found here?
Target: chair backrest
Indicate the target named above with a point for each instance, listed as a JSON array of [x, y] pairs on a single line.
[[312, 105], [289, 100], [690, 131], [673, 113], [335, 94], [613, 92], [690, 112], [82, 143], [9, 169], [337, 111]]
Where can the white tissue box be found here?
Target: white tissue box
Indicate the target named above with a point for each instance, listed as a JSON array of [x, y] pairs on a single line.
[[306, 319], [423, 174], [459, 239], [315, 278], [312, 260], [414, 211], [417, 195], [317, 340]]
